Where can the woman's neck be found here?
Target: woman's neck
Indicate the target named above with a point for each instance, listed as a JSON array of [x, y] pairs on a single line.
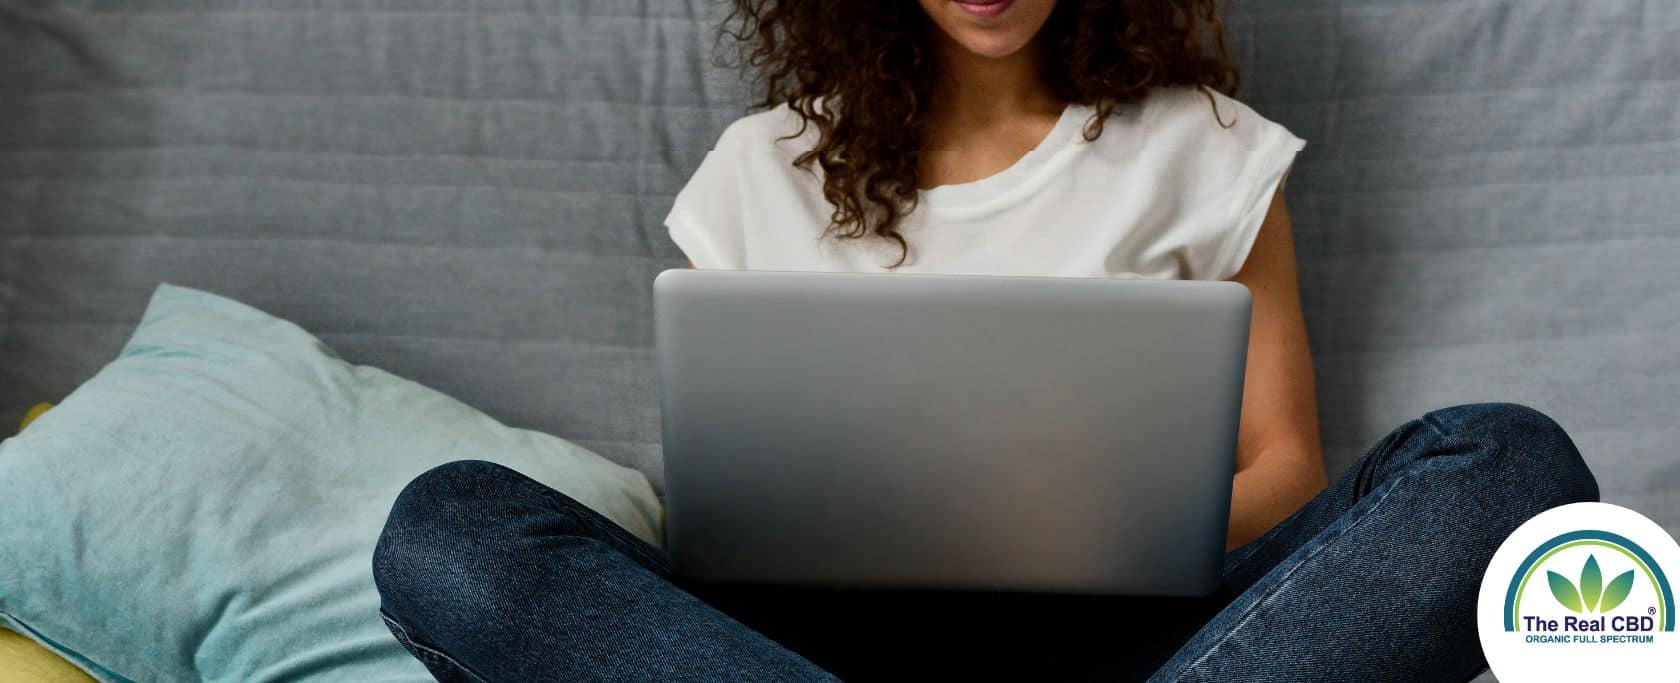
[[974, 91], [985, 115]]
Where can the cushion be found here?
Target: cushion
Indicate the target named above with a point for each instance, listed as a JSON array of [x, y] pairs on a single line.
[[206, 506], [21, 659]]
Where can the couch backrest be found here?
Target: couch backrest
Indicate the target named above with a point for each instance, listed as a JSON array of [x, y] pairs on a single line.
[[469, 193], [1488, 209]]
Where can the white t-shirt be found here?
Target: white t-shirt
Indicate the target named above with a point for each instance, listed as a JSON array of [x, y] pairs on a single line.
[[1164, 192]]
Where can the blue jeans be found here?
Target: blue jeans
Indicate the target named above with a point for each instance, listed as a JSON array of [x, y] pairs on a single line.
[[487, 575]]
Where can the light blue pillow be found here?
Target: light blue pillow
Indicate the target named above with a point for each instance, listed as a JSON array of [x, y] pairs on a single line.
[[206, 506]]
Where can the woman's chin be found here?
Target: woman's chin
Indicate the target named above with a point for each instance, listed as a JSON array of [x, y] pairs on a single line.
[[990, 28], [984, 44]]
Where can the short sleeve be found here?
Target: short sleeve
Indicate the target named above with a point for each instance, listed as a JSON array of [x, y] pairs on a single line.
[[1251, 159], [706, 217], [1267, 153]]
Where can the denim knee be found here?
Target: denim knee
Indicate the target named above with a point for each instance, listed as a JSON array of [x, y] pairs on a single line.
[[1532, 454], [448, 522], [428, 514]]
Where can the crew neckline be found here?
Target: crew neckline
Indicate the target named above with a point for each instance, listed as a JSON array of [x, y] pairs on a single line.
[[1015, 177]]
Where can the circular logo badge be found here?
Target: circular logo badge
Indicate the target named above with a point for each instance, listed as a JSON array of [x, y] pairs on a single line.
[[1581, 592]]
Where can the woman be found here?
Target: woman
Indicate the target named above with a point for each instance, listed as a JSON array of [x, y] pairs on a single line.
[[1031, 137]]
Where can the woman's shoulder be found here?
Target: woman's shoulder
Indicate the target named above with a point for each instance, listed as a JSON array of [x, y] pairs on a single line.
[[777, 131], [1204, 114], [1216, 164]]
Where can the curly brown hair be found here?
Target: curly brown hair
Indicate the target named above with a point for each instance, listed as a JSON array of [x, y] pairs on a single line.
[[821, 56]]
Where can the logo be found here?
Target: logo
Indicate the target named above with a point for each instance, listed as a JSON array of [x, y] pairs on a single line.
[[1580, 592], [1589, 594]]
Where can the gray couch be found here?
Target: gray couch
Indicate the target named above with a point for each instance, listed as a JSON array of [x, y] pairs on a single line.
[[469, 193]]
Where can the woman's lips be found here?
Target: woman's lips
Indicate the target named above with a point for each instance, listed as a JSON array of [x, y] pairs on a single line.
[[984, 9]]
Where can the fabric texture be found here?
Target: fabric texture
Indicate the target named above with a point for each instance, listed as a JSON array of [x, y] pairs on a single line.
[[1176, 187], [205, 507], [467, 193], [1395, 546]]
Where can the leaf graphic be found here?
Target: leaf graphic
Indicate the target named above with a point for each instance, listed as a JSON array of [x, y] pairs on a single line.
[[1617, 591], [1591, 583], [1564, 591]]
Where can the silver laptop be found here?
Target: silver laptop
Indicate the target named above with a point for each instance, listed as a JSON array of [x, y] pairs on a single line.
[[925, 431]]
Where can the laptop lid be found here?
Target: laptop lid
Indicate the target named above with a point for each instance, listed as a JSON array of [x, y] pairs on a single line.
[[927, 431]]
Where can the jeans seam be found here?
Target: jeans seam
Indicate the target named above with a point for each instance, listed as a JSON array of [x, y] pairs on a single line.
[[438, 655], [1287, 579]]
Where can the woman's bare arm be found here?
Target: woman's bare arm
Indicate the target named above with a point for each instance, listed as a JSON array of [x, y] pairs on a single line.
[[1279, 462]]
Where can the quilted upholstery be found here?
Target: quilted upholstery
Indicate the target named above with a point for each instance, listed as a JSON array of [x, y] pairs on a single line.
[[468, 193]]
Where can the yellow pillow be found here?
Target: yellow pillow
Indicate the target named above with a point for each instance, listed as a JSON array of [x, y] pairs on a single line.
[[23, 660], [34, 413]]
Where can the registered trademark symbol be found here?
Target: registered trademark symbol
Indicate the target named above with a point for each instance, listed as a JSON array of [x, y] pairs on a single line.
[[1651, 610]]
